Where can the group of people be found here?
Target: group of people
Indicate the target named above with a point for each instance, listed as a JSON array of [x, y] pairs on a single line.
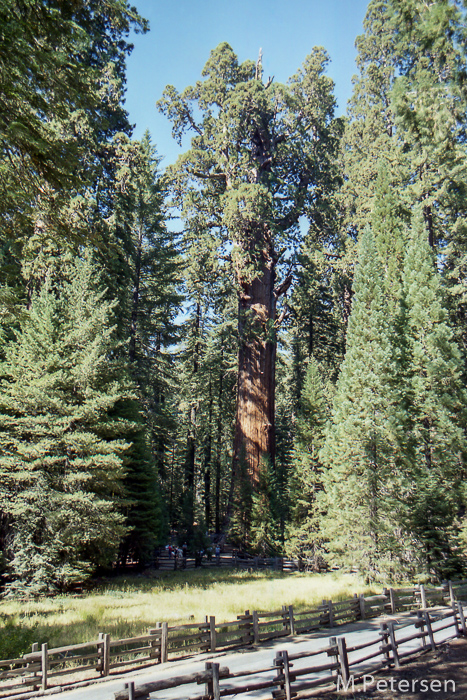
[[180, 554]]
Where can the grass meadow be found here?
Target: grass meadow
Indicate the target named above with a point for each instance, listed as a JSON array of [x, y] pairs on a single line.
[[127, 606]]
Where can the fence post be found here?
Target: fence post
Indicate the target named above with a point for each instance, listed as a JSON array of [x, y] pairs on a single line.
[[429, 628], [153, 643], [421, 625], [164, 642], [361, 599], [35, 649], [324, 614], [216, 682], [131, 690], [423, 596], [248, 621], [282, 663], [291, 621], [454, 617], [392, 600], [44, 665], [333, 651], [392, 636], [386, 595], [255, 627], [106, 655], [452, 598], [208, 686], [356, 607], [285, 619], [462, 617], [331, 614], [159, 631], [343, 660], [100, 653], [383, 631], [212, 632]]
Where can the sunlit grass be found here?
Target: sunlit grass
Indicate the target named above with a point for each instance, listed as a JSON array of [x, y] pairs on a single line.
[[129, 605]]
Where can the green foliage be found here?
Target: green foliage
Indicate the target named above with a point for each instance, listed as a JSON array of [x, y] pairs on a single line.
[[361, 484], [16, 639], [436, 407], [65, 66], [143, 274], [259, 158], [240, 522], [265, 527], [62, 451], [303, 538]]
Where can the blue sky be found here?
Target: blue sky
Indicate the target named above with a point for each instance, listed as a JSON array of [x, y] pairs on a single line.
[[183, 32]]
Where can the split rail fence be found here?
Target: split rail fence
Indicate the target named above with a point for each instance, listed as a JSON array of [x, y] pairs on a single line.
[[232, 560], [335, 666], [44, 668]]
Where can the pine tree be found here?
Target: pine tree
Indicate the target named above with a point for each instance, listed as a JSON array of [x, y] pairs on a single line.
[[389, 231], [429, 103], [265, 527], [306, 481], [360, 443], [436, 408], [148, 290], [62, 450]]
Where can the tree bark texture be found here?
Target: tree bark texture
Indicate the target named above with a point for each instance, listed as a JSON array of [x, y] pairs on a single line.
[[254, 421]]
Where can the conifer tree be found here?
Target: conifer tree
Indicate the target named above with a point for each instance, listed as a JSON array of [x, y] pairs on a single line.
[[360, 441], [62, 449], [306, 480], [149, 298], [265, 526], [256, 162], [436, 408]]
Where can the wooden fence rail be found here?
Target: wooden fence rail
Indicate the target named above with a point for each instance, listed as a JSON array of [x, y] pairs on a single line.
[[339, 668], [104, 656]]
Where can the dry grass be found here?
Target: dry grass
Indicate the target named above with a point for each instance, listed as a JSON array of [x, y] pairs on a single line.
[[127, 606]]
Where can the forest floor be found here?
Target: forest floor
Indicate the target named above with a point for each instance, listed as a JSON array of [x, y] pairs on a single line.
[[127, 606], [439, 675]]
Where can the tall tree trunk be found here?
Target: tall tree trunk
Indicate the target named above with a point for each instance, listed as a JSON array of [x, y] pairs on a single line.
[[135, 299], [207, 463], [219, 444], [428, 217], [254, 436], [191, 438]]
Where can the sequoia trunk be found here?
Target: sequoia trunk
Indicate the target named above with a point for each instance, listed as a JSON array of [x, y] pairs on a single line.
[[254, 422]]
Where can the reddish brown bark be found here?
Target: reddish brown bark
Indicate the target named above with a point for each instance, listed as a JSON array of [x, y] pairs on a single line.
[[254, 437]]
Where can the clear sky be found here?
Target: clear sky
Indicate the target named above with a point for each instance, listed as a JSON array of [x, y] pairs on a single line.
[[183, 32]]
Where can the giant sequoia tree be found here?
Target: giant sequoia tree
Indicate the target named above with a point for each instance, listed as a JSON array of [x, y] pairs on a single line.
[[257, 160]]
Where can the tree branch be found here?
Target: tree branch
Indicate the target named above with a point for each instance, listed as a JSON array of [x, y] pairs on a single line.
[[193, 124], [209, 176], [284, 286]]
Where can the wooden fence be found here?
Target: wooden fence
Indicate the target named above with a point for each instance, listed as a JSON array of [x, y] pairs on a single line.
[[43, 668], [165, 563], [334, 666]]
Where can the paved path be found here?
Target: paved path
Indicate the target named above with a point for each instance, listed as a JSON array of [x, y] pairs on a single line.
[[248, 658]]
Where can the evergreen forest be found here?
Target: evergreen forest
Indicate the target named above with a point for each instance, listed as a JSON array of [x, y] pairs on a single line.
[[288, 372]]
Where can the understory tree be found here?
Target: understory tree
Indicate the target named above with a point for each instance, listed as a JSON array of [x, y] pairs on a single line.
[[306, 481], [436, 401], [62, 440], [360, 481]]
